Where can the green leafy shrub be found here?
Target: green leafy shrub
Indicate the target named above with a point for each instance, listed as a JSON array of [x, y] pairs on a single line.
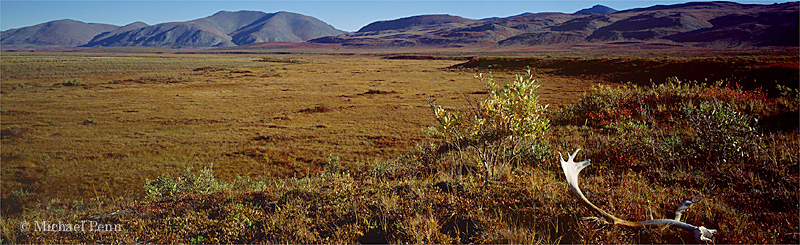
[[499, 130], [722, 132], [203, 182], [90, 120]]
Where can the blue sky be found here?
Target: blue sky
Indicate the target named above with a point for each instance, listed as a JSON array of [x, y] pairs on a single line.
[[345, 15]]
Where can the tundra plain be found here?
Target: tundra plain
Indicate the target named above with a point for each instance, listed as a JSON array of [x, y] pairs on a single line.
[[336, 144]]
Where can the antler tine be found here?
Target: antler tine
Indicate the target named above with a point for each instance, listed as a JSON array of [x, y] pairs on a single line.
[[572, 156]]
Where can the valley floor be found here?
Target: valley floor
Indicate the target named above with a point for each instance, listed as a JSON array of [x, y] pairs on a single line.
[[313, 147]]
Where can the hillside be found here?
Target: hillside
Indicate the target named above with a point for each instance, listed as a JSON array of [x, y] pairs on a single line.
[[128, 27], [169, 35], [223, 29], [706, 24], [418, 22], [53, 33]]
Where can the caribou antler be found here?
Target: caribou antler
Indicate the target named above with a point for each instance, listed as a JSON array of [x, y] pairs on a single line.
[[571, 171]]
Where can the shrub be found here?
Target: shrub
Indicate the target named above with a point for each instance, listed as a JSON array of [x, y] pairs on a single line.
[[317, 109], [70, 83], [90, 120], [189, 183], [498, 130], [658, 104], [12, 132], [668, 123], [722, 133], [334, 166]]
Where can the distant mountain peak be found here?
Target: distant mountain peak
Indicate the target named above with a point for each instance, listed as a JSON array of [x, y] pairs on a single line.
[[235, 12], [597, 9], [137, 24]]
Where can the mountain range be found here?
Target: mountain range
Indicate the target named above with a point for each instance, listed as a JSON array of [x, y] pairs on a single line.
[[704, 24], [223, 29]]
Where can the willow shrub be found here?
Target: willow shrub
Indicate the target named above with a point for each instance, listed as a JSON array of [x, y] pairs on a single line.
[[499, 132]]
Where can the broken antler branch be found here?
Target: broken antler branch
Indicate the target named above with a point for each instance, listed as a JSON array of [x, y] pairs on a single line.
[[571, 171]]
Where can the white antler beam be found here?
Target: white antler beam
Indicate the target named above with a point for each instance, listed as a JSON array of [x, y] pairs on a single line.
[[571, 171]]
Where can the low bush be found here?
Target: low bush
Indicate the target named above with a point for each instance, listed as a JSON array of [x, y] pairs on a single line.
[[71, 83], [721, 132], [189, 183], [672, 122], [498, 132]]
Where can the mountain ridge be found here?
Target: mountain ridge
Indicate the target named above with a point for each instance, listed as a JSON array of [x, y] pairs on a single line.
[[700, 24], [420, 21], [224, 29], [64, 32], [696, 24], [221, 29]]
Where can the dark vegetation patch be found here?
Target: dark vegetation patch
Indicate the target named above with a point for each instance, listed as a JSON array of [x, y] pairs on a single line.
[[281, 60], [157, 79], [369, 92], [748, 72], [480, 92], [378, 91], [282, 137], [208, 68], [271, 156], [72, 83], [373, 236], [425, 57], [317, 109], [16, 112], [190, 121], [12, 132], [464, 229], [385, 141], [241, 71], [449, 187]]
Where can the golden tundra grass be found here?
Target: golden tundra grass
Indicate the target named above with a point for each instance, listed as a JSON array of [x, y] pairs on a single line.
[[127, 122], [133, 118]]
